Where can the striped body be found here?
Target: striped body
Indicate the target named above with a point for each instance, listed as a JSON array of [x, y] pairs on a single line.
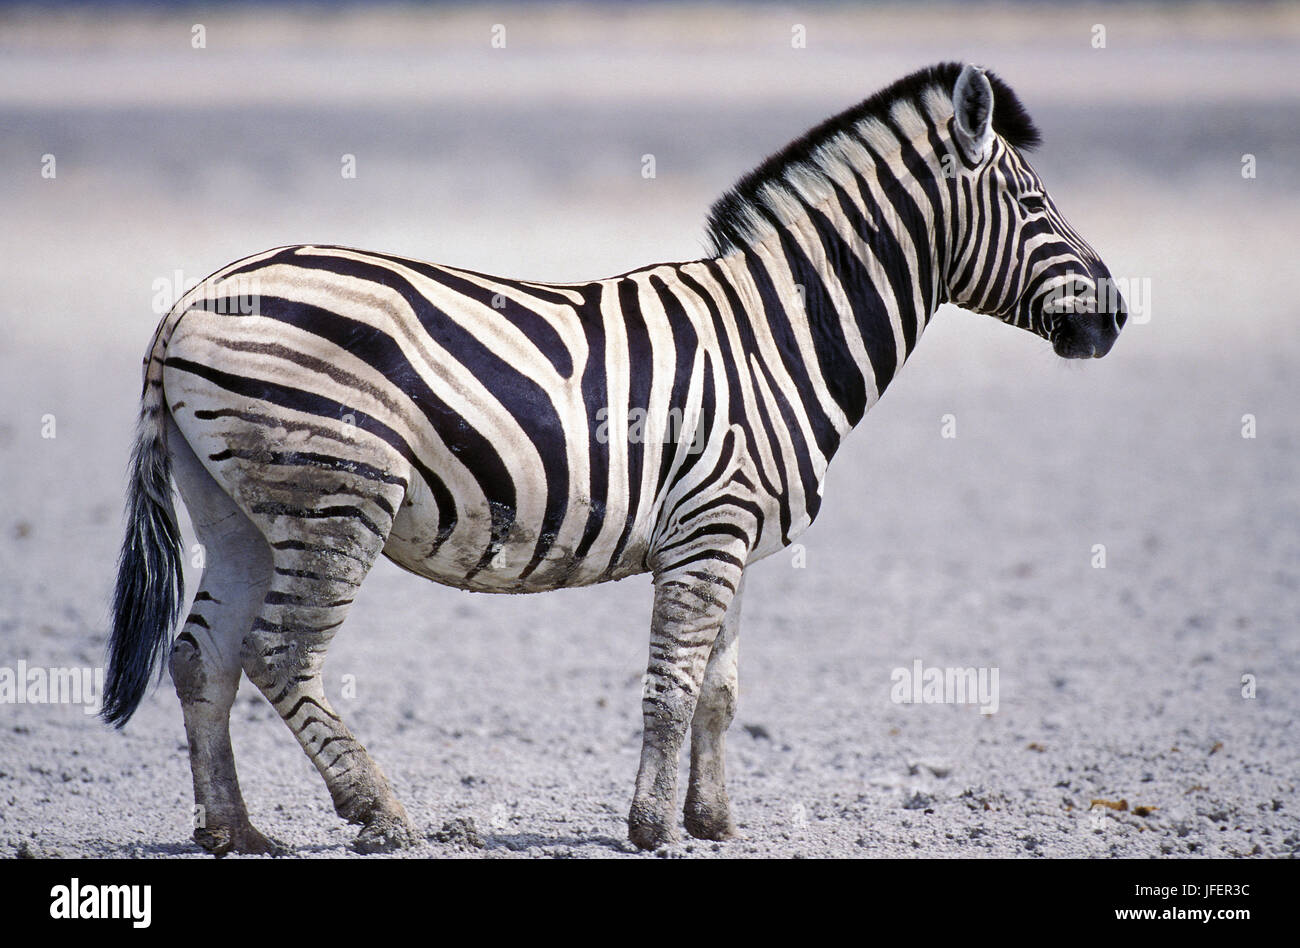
[[320, 406], [570, 435]]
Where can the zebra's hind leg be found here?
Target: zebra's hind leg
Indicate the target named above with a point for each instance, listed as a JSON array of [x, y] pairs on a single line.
[[320, 555], [690, 604], [708, 811], [206, 656]]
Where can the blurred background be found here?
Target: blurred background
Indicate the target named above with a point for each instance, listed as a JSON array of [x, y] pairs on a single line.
[[144, 146]]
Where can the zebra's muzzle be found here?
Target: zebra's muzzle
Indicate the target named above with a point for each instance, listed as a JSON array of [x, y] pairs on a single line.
[[1085, 317], [1086, 336]]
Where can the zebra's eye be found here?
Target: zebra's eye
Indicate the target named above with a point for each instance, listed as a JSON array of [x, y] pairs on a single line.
[[1033, 203]]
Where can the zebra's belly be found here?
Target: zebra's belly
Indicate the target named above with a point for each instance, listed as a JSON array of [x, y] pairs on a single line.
[[524, 562]]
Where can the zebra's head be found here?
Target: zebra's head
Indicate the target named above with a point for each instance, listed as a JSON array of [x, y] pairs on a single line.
[[1013, 255]]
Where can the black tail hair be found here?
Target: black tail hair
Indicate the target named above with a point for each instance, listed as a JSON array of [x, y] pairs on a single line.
[[150, 572]]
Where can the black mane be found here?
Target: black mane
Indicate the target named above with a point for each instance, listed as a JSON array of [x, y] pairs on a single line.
[[725, 229]]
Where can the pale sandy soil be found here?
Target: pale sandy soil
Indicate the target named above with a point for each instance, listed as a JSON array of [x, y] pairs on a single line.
[[522, 713]]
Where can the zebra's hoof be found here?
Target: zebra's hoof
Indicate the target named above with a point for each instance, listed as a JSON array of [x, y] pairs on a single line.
[[385, 835], [649, 831], [221, 840], [709, 822]]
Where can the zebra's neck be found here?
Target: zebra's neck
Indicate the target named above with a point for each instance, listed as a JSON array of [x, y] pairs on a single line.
[[844, 261]]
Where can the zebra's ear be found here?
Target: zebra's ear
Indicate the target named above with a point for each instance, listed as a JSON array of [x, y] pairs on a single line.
[[972, 106]]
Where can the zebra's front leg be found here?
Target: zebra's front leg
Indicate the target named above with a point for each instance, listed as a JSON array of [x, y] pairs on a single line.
[[689, 608], [708, 811]]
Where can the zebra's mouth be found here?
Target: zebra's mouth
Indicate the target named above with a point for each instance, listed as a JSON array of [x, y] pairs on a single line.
[[1071, 348]]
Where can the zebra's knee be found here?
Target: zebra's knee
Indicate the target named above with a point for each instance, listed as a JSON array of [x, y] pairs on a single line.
[[716, 708], [667, 710]]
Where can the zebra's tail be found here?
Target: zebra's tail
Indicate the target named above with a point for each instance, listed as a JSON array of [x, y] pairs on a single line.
[[150, 572]]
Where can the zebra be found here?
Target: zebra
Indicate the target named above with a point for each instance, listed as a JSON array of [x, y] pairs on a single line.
[[318, 406]]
